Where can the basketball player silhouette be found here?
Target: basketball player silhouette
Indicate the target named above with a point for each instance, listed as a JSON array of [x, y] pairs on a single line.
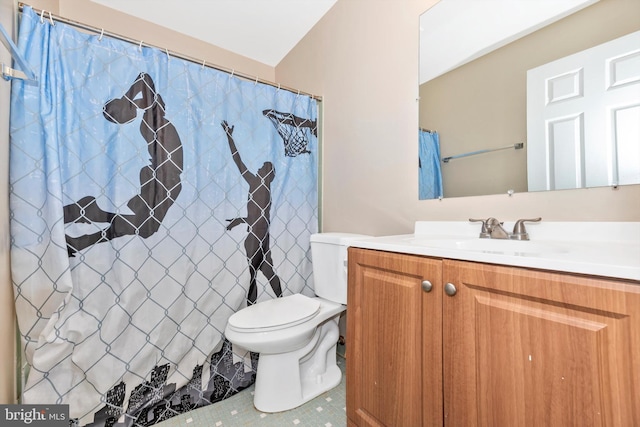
[[159, 181], [256, 244]]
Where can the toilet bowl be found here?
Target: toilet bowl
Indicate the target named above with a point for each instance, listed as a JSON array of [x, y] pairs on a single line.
[[297, 349], [296, 335]]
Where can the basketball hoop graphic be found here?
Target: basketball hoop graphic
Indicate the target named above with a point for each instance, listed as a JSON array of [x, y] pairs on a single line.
[[292, 130]]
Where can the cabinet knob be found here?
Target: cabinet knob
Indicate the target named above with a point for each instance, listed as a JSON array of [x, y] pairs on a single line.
[[426, 286], [450, 289]]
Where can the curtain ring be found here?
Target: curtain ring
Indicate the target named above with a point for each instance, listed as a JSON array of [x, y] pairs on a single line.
[[42, 17], [167, 50], [232, 73], [101, 34], [203, 63], [256, 81], [140, 46], [51, 19]]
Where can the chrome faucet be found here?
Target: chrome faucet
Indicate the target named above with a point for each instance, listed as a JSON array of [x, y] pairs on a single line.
[[492, 229], [495, 229]]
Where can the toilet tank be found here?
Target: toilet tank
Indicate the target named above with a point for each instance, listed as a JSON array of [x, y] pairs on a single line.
[[329, 259]]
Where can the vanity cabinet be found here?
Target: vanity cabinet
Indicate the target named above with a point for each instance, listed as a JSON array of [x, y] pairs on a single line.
[[510, 347]]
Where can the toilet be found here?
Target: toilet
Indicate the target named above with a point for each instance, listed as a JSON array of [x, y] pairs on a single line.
[[296, 335]]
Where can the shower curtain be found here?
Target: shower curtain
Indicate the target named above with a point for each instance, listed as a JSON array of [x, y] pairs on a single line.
[[429, 173], [151, 198]]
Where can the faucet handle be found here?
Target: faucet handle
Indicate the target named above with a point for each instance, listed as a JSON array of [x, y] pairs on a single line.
[[484, 232], [519, 231]]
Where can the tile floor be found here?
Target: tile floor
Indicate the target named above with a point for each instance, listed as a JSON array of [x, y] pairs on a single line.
[[326, 410]]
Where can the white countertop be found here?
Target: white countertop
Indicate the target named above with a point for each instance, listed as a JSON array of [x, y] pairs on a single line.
[[609, 249]]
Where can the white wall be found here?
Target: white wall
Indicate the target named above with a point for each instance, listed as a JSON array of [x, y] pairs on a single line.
[[362, 57]]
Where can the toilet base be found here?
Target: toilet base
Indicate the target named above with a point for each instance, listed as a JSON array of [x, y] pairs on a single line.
[[287, 380]]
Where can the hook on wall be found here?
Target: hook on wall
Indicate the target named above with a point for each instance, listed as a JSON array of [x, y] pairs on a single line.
[[9, 73]]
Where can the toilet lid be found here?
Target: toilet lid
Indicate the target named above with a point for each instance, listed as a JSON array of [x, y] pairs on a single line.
[[276, 313]]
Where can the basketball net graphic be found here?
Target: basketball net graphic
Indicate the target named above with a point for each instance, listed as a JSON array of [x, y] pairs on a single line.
[[293, 131]]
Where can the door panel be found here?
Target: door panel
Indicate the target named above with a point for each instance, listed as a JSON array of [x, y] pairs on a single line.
[[537, 337], [626, 126], [394, 329], [582, 118], [531, 348]]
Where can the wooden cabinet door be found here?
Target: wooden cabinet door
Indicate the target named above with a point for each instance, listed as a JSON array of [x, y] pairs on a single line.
[[394, 340], [531, 348]]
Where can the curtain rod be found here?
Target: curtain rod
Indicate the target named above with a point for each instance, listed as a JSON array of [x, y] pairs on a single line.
[[517, 146], [48, 15]]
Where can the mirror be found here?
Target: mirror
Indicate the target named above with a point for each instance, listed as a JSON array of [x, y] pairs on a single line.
[[476, 100]]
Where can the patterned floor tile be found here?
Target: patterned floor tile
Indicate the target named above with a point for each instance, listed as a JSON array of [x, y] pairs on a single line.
[[326, 410]]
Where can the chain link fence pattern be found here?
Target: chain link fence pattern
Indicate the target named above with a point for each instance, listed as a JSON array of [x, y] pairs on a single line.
[[127, 327]]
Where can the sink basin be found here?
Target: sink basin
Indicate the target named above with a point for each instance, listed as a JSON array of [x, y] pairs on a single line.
[[494, 246]]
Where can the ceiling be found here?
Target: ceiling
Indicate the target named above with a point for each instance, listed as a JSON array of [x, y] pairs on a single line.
[[452, 32], [263, 30]]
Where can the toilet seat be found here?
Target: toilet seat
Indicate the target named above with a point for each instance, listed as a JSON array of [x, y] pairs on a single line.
[[278, 313]]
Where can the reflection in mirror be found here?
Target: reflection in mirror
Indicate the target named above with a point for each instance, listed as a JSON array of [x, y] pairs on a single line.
[[429, 173], [478, 102]]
